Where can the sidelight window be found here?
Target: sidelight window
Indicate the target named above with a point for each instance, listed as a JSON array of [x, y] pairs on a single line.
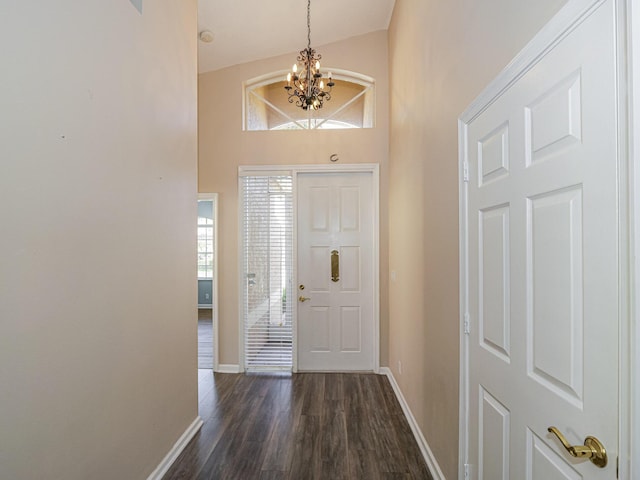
[[267, 259]]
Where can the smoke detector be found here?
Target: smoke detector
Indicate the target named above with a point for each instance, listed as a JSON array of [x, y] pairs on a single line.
[[206, 36]]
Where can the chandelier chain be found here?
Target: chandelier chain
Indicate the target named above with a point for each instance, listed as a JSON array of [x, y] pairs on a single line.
[[308, 23]]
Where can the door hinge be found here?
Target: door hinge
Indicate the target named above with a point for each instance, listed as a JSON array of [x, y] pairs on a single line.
[[465, 172], [467, 471], [467, 324], [617, 467]]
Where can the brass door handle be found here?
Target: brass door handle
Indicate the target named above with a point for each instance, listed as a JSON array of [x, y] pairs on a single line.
[[592, 449], [303, 299], [335, 266]]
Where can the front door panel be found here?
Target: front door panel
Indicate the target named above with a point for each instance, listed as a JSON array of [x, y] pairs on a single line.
[[335, 268]]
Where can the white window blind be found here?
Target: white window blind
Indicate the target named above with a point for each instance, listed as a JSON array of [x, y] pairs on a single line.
[[267, 231]]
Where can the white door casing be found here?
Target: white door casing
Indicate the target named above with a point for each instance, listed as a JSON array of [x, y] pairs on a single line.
[[335, 326], [540, 260], [214, 300]]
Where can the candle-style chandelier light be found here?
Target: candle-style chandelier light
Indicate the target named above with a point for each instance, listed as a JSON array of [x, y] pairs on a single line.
[[305, 85]]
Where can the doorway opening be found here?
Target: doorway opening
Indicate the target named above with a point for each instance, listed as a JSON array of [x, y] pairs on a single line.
[[207, 281]]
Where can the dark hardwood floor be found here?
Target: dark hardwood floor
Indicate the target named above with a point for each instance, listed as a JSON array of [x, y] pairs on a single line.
[[333, 426], [205, 338]]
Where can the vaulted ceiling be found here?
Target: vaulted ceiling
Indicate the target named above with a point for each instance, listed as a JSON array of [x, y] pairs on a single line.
[[247, 30]]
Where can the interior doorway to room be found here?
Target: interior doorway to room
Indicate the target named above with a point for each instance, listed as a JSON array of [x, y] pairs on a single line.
[[207, 281]]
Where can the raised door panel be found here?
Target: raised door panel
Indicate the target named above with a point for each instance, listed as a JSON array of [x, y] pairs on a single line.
[[543, 463], [350, 210], [493, 281], [494, 438], [555, 292]]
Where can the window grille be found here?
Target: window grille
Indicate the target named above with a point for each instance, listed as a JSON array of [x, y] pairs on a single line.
[[205, 239], [352, 104]]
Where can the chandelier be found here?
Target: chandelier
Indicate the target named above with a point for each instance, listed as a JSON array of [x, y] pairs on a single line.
[[305, 85]]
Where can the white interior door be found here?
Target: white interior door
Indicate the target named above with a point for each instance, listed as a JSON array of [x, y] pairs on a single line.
[[335, 272], [543, 240]]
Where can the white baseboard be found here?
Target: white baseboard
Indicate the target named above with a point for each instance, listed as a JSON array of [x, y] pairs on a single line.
[[434, 468], [228, 368], [176, 450]]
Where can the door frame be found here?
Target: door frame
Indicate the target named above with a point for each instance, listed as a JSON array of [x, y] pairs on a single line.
[[294, 171], [628, 148], [632, 36], [214, 290]]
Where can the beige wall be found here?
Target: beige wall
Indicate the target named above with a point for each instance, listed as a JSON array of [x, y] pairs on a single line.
[[98, 210], [442, 54], [223, 146]]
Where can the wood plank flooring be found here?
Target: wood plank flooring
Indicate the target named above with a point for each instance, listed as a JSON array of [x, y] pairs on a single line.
[[205, 338], [205, 344], [334, 426]]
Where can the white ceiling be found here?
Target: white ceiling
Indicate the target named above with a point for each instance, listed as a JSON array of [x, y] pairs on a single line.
[[247, 30]]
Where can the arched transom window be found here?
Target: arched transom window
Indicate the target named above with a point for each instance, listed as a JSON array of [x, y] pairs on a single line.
[[266, 105]]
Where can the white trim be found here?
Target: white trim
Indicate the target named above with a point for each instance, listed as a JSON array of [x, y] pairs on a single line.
[[561, 25], [632, 374], [628, 106], [376, 268], [244, 171], [214, 292], [337, 73], [294, 266], [294, 170], [164, 466], [241, 278], [429, 457], [626, 248], [463, 444], [228, 368]]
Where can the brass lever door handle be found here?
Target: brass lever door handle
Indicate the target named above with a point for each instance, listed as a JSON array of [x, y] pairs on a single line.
[[303, 299], [592, 449]]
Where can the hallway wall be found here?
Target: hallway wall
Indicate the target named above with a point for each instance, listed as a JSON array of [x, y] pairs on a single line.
[[97, 252], [442, 54], [223, 146]]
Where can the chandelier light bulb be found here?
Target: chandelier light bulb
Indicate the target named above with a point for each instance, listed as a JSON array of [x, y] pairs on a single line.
[[317, 66], [295, 67]]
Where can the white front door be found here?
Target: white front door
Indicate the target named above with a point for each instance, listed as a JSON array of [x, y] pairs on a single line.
[[543, 272], [335, 272]]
